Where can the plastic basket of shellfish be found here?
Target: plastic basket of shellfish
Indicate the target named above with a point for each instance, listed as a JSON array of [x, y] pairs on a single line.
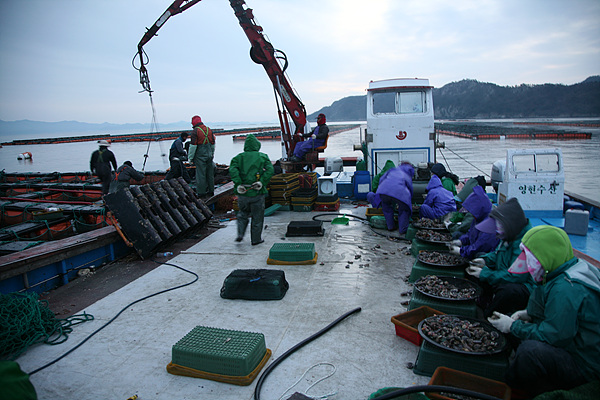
[[407, 323]]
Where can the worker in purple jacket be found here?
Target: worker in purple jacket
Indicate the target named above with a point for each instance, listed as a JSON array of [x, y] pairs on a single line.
[[475, 242], [395, 188], [438, 201]]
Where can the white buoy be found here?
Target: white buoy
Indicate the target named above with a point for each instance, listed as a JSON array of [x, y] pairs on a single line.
[[24, 156]]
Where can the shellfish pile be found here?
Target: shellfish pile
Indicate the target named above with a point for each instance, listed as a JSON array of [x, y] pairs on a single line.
[[436, 286], [436, 257], [427, 223], [433, 236], [459, 334]]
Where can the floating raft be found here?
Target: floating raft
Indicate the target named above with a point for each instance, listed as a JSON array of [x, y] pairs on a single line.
[[489, 131]]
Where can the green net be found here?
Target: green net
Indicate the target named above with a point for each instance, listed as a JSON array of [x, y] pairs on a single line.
[[25, 320]]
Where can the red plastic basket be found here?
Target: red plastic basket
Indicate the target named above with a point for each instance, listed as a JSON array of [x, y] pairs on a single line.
[[406, 323]]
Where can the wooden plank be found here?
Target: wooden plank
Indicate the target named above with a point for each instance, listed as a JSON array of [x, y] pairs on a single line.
[[58, 250]]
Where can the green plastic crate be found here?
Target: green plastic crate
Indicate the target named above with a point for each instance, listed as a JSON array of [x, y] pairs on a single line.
[[488, 366], [466, 308], [410, 232], [220, 351], [378, 221], [292, 251], [420, 270]]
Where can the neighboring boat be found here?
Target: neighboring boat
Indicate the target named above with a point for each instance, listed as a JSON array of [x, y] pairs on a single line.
[[24, 156]]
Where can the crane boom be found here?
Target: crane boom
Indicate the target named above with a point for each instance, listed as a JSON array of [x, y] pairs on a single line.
[[261, 52]]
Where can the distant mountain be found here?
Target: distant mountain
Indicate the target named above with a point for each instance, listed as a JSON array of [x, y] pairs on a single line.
[[473, 99], [457, 100]]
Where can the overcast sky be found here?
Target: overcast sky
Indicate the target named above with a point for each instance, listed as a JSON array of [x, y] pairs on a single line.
[[71, 59]]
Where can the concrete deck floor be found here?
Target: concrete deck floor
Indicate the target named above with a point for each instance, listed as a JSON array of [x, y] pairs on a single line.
[[129, 356]]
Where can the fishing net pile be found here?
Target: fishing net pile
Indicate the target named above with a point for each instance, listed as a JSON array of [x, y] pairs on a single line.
[[25, 320]]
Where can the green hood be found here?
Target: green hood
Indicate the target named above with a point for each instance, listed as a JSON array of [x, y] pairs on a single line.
[[251, 143], [550, 245]]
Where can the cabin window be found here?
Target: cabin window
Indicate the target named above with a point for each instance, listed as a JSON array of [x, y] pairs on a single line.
[[411, 102], [384, 103], [547, 163], [536, 163], [523, 163], [399, 102]]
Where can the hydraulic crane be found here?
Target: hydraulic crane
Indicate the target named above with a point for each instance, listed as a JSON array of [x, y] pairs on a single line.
[[261, 52]]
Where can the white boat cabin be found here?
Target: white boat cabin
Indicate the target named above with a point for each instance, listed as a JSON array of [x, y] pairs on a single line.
[[400, 123], [536, 178]]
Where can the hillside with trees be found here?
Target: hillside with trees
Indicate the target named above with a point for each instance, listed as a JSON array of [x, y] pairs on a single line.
[[469, 99]]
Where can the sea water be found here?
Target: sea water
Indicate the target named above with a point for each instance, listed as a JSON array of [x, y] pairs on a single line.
[[464, 157]]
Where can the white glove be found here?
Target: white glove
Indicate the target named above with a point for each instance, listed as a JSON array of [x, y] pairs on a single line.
[[447, 223], [473, 271], [241, 189], [456, 242], [522, 315], [480, 262], [257, 185], [455, 250], [501, 322]]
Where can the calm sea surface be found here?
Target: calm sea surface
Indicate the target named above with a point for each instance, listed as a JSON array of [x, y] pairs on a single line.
[[464, 157]]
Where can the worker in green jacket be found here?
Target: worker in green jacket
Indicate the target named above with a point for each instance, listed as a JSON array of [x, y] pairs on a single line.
[[560, 328], [449, 180], [503, 291], [389, 164], [251, 172]]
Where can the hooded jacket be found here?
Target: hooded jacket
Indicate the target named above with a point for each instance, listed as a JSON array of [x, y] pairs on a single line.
[[438, 202], [389, 164], [445, 177], [474, 241], [565, 308], [397, 183], [251, 166]]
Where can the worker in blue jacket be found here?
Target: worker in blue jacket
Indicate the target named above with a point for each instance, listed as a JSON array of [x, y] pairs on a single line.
[[475, 242], [559, 329], [395, 188], [438, 201]]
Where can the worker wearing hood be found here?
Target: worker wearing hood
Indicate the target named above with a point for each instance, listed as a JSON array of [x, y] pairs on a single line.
[[503, 291], [251, 172], [438, 201], [560, 327], [395, 188], [448, 179], [389, 164], [475, 242], [317, 138]]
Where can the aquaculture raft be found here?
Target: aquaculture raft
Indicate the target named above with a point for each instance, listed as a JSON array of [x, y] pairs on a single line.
[[222, 355]]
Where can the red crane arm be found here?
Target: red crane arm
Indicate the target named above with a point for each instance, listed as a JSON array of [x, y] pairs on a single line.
[[261, 52]]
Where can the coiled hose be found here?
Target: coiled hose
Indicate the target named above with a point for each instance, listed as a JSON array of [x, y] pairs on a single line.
[[309, 339]]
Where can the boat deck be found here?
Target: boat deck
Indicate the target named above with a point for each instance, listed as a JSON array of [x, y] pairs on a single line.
[[355, 268]]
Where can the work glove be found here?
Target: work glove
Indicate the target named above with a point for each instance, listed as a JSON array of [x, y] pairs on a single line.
[[456, 242], [257, 185], [501, 322], [479, 262], [522, 315], [455, 250], [473, 271], [241, 189]]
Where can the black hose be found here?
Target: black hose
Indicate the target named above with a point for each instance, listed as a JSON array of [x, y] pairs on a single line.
[[119, 313], [309, 339], [437, 389]]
